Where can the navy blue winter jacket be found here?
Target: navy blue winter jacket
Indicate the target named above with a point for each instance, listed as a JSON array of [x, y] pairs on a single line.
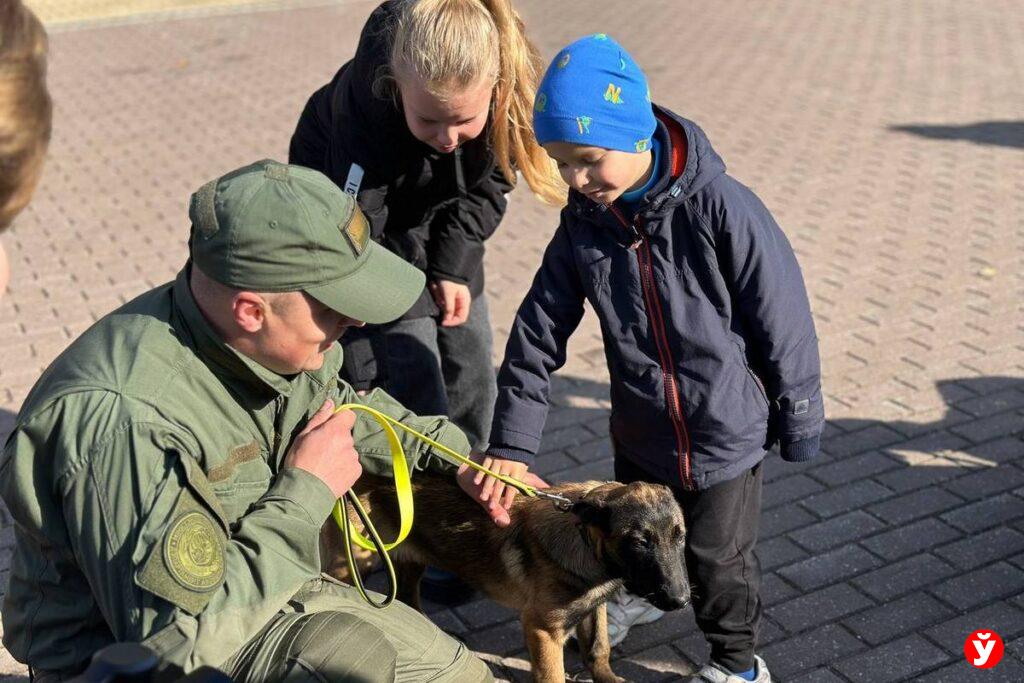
[[707, 329]]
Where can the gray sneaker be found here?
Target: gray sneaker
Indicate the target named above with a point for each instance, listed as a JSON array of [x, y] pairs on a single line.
[[626, 610], [712, 673]]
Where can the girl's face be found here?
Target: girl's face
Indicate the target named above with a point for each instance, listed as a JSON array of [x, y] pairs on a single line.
[[603, 175], [446, 123]]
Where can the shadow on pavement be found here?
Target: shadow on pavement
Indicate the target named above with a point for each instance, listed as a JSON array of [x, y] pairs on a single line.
[[998, 133], [963, 430]]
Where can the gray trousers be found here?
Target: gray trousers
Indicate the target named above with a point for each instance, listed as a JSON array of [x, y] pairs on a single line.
[[430, 369]]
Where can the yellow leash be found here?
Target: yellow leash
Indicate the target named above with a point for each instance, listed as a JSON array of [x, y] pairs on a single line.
[[403, 488]]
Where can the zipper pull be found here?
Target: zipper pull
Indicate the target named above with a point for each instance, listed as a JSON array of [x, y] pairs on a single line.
[[638, 239]]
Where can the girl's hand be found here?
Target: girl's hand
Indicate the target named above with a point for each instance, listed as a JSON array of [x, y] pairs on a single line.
[[453, 299]]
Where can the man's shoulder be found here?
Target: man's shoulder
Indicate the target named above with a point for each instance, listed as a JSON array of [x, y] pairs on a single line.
[[131, 348]]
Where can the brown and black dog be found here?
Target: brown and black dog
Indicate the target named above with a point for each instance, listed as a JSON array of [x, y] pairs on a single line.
[[557, 569]]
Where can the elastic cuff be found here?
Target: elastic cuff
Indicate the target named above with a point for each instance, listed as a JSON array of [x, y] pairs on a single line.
[[510, 453], [802, 450], [433, 274]]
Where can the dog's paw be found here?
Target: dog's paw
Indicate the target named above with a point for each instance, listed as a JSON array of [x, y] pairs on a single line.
[[602, 677]]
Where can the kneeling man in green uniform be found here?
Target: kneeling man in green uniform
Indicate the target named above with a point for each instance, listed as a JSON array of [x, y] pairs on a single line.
[[169, 474]]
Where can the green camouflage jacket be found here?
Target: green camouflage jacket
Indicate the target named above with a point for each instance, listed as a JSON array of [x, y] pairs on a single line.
[[144, 476]]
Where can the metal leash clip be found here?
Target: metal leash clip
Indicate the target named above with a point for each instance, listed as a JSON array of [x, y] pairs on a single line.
[[559, 501]]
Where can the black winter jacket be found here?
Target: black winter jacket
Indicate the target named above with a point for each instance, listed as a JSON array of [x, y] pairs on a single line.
[[434, 210], [707, 328]]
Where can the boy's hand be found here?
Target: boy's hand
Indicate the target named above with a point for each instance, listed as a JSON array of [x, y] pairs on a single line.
[[454, 301], [495, 489], [494, 495]]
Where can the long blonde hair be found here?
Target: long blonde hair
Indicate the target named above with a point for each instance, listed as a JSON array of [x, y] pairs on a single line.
[[450, 44], [25, 108]]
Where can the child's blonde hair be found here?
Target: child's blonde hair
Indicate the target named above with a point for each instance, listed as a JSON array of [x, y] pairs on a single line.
[[25, 109], [450, 44]]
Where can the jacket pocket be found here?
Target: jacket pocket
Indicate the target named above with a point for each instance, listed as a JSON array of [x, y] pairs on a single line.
[[760, 387], [772, 433], [241, 480]]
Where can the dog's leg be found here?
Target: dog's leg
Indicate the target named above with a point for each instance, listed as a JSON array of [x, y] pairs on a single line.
[[545, 643], [408, 575], [592, 636], [332, 554]]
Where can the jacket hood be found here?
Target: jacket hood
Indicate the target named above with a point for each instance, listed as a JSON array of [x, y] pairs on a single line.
[[701, 167], [375, 122]]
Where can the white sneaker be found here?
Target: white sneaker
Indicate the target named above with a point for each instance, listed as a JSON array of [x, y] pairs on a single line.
[[712, 673], [626, 610]]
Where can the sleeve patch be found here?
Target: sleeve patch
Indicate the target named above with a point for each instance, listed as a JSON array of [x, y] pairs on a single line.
[[193, 552], [189, 565]]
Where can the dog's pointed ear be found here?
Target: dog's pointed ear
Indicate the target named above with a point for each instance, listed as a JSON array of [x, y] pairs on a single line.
[[592, 512]]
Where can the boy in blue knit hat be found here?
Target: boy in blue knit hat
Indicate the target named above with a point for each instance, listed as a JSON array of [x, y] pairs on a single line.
[[708, 334]]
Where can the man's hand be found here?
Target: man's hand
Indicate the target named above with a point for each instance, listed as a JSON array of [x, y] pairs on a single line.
[[494, 495], [325, 449], [453, 299]]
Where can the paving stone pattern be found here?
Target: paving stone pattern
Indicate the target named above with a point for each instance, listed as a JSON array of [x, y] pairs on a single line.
[[888, 140]]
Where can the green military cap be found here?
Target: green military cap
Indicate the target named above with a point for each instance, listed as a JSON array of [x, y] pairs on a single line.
[[272, 227]]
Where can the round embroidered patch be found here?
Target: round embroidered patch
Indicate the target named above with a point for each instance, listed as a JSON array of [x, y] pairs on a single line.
[[193, 552]]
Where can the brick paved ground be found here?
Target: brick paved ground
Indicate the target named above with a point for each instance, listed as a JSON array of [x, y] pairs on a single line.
[[83, 14], [888, 138]]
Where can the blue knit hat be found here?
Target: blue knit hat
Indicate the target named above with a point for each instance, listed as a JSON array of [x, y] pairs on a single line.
[[595, 94]]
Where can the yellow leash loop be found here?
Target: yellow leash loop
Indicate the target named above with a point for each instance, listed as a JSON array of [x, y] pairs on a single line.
[[403, 490]]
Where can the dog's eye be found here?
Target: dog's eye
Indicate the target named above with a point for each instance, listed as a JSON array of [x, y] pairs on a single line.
[[677, 533], [641, 541]]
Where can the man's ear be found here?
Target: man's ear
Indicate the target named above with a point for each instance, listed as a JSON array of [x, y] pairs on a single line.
[[250, 311]]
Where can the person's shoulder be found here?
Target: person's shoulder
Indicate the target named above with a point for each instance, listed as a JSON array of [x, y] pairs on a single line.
[[382, 16], [352, 88], [727, 203], [127, 346], [117, 377]]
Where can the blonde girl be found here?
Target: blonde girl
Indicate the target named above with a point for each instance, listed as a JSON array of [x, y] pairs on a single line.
[[429, 125]]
